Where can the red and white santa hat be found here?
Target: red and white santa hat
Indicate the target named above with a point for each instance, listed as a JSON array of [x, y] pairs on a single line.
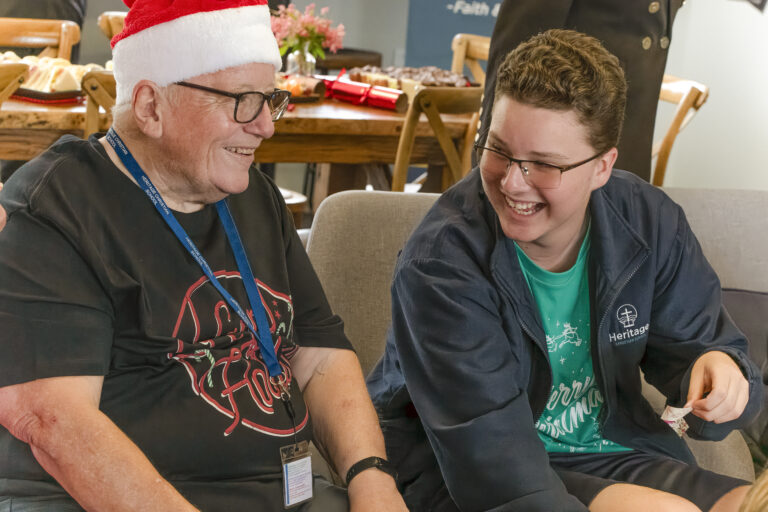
[[166, 41]]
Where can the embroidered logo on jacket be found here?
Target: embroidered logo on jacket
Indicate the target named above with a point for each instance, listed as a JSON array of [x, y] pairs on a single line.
[[223, 358], [627, 316]]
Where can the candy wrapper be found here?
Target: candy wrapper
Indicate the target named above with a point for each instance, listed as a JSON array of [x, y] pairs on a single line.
[[675, 418], [366, 94]]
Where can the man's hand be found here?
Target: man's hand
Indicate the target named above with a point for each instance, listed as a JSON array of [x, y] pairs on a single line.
[[374, 491], [718, 391]]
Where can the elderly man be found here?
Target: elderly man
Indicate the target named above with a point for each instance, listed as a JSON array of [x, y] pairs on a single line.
[[167, 343]]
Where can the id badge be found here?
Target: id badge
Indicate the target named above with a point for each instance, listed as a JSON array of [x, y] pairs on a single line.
[[297, 473]]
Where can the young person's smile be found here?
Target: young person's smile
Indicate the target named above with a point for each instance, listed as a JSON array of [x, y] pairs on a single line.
[[544, 220]]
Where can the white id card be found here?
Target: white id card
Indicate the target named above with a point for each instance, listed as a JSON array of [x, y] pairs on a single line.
[[297, 473]]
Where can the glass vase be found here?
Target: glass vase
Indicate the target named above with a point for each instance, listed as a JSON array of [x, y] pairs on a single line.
[[301, 62]]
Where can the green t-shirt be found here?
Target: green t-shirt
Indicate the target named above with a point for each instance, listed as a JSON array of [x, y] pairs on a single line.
[[570, 421]]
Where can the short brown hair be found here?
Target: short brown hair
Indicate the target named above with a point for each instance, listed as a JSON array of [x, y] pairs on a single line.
[[567, 70]]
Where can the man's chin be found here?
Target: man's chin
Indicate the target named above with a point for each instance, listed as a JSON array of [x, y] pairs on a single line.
[[233, 188]]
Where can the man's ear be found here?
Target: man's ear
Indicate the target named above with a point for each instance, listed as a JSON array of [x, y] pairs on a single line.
[[147, 110], [604, 167]]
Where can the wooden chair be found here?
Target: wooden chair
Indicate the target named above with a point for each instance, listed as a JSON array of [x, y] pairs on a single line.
[[56, 37], [689, 97], [100, 91], [12, 74], [433, 101], [111, 23], [469, 50]]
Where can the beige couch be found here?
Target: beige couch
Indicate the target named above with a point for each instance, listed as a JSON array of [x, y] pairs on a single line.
[[356, 236]]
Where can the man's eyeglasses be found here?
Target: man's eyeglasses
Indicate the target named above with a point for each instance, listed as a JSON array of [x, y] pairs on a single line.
[[537, 174], [248, 105]]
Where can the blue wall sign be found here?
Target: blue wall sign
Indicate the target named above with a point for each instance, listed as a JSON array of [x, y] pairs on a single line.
[[433, 23]]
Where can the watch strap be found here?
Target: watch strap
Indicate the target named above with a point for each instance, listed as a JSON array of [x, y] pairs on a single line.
[[370, 462]]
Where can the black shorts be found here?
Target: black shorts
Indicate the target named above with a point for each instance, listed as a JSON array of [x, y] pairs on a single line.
[[585, 475]]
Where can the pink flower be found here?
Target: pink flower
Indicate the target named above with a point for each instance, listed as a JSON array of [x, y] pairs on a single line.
[[294, 29]]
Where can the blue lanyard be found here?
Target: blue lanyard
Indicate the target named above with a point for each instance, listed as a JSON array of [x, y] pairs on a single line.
[[262, 325]]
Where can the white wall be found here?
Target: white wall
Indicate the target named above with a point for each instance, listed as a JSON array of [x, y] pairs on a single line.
[[370, 24], [723, 44]]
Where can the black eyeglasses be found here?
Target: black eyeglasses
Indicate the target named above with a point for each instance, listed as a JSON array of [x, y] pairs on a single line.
[[248, 105], [537, 174]]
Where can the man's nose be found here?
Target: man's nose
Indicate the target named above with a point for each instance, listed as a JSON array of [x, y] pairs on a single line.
[[263, 126]]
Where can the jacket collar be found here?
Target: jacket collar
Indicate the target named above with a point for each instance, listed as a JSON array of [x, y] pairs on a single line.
[[617, 250]]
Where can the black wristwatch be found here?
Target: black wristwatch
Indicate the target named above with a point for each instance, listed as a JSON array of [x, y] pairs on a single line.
[[371, 462]]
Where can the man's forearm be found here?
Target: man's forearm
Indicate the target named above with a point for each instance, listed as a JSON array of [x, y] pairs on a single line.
[[345, 422], [98, 465]]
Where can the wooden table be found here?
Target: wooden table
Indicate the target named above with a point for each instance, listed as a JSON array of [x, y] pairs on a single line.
[[327, 131], [347, 136], [27, 129]]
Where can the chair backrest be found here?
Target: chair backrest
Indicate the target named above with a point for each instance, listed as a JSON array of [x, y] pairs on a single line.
[[12, 75], [469, 50], [732, 235], [689, 97], [434, 101], [111, 23], [100, 91], [353, 245], [56, 37]]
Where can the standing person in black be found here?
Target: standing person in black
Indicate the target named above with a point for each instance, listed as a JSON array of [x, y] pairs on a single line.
[[638, 32]]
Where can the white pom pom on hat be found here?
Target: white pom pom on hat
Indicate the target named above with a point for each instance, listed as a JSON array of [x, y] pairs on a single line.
[[166, 41]]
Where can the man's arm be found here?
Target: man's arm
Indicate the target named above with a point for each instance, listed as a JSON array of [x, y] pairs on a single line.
[[345, 423], [81, 448]]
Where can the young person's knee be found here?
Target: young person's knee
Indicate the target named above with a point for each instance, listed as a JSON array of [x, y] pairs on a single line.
[[636, 498], [747, 498]]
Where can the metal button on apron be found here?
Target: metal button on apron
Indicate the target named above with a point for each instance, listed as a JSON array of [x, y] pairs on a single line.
[[646, 43], [664, 42], [654, 7]]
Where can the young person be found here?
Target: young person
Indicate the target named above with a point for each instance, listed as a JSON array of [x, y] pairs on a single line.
[[530, 298]]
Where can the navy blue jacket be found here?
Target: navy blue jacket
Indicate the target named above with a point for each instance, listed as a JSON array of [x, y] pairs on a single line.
[[467, 339]]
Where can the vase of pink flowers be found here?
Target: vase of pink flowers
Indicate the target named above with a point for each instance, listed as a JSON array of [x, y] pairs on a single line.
[[304, 37]]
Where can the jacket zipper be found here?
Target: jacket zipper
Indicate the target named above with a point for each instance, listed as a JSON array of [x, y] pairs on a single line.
[[537, 413], [601, 359]]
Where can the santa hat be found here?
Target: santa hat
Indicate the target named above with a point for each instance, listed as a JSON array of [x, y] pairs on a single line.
[[167, 41]]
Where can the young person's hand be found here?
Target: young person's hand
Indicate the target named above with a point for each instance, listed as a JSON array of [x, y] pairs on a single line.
[[718, 391]]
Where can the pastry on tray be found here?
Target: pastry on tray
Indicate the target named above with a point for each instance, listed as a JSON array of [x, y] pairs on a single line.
[[408, 79], [50, 74]]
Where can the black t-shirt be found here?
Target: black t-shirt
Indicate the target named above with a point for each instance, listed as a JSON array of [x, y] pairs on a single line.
[[95, 283]]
